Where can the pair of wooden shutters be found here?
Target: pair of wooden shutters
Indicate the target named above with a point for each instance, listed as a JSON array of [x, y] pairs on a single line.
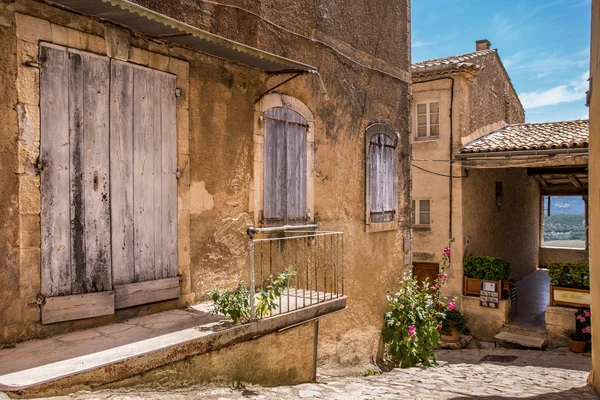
[[382, 170], [108, 184], [284, 167]]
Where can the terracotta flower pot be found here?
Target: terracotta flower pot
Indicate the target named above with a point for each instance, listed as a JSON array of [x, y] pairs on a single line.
[[577, 347], [454, 336]]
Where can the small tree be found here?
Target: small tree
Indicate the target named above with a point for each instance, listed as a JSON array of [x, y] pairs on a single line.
[[412, 328]]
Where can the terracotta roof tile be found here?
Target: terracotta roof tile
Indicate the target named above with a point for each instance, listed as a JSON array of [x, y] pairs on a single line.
[[450, 62], [538, 136]]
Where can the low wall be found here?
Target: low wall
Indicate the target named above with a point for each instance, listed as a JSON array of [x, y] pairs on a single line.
[[484, 323], [558, 319], [550, 255], [282, 358]]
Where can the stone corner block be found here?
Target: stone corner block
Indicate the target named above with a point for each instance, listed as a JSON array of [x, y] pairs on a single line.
[[32, 29]]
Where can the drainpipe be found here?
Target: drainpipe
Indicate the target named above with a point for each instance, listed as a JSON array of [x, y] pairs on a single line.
[[450, 175]]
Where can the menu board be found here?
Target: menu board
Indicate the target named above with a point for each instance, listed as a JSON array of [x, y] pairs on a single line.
[[488, 295]]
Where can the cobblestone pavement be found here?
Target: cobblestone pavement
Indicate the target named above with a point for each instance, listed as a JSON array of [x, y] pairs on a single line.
[[552, 374]]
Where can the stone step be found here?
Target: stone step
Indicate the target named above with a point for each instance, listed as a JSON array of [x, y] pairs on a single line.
[[522, 340], [519, 330]]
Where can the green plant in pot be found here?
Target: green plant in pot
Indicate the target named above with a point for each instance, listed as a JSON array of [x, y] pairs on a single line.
[[582, 334], [486, 268], [453, 324]]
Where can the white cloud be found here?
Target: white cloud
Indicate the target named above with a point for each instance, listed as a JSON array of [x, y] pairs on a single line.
[[419, 43], [574, 90]]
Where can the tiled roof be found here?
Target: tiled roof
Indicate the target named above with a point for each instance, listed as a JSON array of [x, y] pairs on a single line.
[[450, 62], [539, 136]]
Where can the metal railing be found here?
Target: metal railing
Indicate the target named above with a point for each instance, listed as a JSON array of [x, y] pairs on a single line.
[[316, 257]]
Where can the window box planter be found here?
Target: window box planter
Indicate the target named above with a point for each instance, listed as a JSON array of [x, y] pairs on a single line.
[[563, 296], [472, 287]]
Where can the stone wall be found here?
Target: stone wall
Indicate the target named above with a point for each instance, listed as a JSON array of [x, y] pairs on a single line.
[[216, 120], [510, 232], [551, 255], [484, 323]]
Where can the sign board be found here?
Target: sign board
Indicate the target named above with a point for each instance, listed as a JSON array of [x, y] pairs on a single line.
[[407, 243], [571, 297], [488, 295], [407, 259]]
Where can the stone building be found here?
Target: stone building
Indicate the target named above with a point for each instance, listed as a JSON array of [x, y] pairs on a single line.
[[161, 118], [480, 176]]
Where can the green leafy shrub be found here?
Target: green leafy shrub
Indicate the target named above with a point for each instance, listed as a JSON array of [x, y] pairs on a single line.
[[231, 303], [487, 268], [236, 303], [570, 275], [411, 331]]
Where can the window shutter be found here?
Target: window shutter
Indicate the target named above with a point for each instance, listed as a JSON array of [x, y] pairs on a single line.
[[284, 167], [296, 167], [384, 193]]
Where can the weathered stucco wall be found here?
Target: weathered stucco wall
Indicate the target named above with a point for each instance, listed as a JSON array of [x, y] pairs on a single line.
[[216, 158], [594, 193], [511, 232], [491, 97]]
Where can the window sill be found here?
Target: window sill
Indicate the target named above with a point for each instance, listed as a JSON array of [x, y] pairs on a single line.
[[381, 226], [427, 139], [423, 228]]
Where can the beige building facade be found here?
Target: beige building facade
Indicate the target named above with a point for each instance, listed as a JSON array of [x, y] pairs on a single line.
[[343, 88], [474, 96]]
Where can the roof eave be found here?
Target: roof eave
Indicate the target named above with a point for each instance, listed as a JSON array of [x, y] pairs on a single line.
[[516, 153]]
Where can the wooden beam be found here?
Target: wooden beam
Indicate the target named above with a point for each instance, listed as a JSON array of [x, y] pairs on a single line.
[[574, 181], [135, 294], [541, 181], [78, 306]]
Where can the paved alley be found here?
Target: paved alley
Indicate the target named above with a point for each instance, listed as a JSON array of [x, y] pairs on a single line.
[[551, 374]]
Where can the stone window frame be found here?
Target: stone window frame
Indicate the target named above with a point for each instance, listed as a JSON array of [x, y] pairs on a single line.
[[370, 131], [31, 31], [257, 187], [428, 135], [586, 221]]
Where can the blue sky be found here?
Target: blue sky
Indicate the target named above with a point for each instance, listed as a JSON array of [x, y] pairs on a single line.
[[544, 45]]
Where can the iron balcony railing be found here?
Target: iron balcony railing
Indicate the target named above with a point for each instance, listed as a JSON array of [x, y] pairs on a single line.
[[317, 257]]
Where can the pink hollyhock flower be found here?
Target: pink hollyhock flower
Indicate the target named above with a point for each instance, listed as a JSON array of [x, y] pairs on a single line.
[[587, 313], [451, 306], [440, 327], [447, 251], [436, 286]]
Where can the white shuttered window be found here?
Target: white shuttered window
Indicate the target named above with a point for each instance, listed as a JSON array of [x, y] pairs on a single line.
[[428, 120]]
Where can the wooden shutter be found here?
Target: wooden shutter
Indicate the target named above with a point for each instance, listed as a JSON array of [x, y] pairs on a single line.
[[383, 190], [284, 167], [143, 172], [75, 217]]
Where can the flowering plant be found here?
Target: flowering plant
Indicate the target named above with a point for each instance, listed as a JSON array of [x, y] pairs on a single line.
[[452, 319], [412, 328], [583, 328]]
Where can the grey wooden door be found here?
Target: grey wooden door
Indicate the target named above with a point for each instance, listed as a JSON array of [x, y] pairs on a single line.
[[75, 188], [108, 182], [143, 149], [284, 167]]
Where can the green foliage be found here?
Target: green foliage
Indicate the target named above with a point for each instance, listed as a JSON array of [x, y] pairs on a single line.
[[236, 303], [453, 319], [564, 227], [488, 268], [231, 303], [271, 291], [411, 325], [371, 372], [570, 275]]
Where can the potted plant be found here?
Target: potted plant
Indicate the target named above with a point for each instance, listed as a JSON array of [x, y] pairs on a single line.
[[453, 324], [569, 284], [477, 269], [582, 334]]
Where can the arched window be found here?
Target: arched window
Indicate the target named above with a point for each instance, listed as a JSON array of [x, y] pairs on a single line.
[[381, 178], [284, 167]]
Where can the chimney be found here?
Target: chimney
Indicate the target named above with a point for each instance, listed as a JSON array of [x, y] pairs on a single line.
[[482, 45]]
